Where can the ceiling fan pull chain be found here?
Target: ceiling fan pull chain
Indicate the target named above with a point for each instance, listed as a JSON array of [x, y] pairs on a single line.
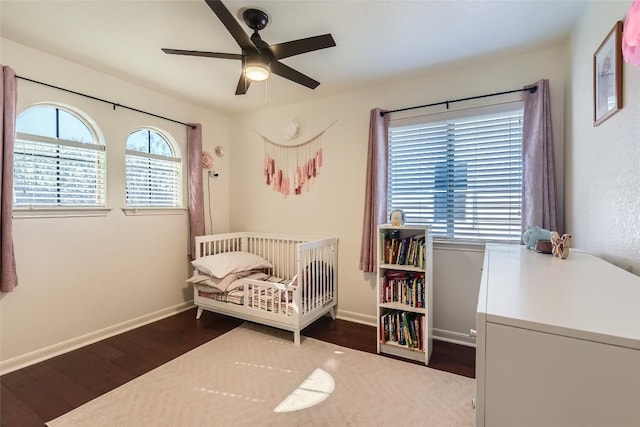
[[266, 92]]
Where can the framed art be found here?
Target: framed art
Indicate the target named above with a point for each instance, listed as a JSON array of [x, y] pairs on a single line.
[[607, 76]]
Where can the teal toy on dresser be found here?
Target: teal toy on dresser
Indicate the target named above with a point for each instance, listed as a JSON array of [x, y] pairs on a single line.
[[534, 234]]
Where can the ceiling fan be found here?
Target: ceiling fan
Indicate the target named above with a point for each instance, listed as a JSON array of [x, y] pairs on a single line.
[[259, 59]]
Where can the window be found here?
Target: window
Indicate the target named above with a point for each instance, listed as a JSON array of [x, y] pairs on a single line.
[[461, 173], [154, 171], [58, 160]]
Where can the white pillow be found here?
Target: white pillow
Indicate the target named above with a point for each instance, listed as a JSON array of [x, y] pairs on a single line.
[[220, 265]]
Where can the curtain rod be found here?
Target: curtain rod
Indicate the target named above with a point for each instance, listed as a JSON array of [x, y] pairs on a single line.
[[531, 89], [115, 104]]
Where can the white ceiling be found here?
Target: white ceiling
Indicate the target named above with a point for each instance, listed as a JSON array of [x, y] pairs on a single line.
[[376, 40]]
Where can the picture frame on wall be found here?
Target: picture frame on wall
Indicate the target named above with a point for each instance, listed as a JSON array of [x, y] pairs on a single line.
[[607, 76]]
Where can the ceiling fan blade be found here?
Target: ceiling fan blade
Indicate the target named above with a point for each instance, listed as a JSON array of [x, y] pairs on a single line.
[[232, 25], [243, 85], [202, 53], [295, 76], [296, 47]]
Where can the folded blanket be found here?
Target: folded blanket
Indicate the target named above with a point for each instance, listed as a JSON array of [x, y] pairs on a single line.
[[225, 284]]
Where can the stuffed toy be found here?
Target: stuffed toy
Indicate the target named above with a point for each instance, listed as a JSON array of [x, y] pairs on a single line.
[[560, 245], [533, 234]]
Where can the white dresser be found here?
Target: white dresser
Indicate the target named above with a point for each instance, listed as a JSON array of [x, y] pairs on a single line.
[[558, 341]]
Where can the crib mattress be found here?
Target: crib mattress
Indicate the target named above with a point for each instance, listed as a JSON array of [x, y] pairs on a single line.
[[231, 289], [267, 299]]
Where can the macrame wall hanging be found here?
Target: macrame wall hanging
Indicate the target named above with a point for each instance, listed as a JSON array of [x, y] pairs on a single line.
[[290, 169]]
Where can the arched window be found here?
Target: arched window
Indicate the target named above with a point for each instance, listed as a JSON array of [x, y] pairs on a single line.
[[154, 171], [58, 160]]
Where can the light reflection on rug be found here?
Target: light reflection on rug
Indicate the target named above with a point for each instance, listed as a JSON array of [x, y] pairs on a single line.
[[316, 388], [255, 376]]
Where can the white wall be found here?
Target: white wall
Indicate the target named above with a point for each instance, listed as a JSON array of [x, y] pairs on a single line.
[[456, 279], [334, 205], [603, 162], [81, 277]]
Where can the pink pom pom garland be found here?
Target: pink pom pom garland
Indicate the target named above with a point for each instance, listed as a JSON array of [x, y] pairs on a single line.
[[631, 35]]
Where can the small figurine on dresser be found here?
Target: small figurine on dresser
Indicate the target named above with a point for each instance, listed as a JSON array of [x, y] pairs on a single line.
[[560, 244]]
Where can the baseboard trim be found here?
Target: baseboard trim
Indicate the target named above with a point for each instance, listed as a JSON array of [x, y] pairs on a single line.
[[351, 316], [453, 337], [45, 353]]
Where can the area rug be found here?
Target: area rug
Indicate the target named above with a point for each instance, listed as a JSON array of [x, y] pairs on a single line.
[[255, 376]]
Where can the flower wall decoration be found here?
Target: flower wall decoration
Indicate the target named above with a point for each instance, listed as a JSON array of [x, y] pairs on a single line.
[[631, 35], [207, 160]]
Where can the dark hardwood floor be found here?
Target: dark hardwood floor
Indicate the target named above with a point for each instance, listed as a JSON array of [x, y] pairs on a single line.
[[41, 392]]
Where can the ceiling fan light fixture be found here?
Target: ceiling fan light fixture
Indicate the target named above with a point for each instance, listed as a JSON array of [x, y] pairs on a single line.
[[257, 72], [258, 57]]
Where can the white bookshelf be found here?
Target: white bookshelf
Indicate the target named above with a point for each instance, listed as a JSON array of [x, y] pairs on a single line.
[[405, 291]]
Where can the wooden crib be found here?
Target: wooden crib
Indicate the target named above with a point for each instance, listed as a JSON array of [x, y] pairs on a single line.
[[309, 265]]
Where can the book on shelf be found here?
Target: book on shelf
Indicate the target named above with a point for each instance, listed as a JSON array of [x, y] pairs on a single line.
[[403, 328], [403, 251], [403, 287], [407, 333]]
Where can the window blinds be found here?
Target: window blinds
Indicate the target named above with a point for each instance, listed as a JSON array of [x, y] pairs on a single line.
[[461, 175], [152, 180], [58, 172]]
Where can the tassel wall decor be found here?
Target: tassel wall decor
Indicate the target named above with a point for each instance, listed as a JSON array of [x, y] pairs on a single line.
[[290, 169]]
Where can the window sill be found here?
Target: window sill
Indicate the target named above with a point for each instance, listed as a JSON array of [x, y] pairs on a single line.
[[59, 212], [153, 211], [464, 245], [457, 245]]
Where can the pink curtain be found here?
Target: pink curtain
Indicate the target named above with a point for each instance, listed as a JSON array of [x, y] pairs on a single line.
[[375, 203], [8, 98], [196, 196], [538, 165]]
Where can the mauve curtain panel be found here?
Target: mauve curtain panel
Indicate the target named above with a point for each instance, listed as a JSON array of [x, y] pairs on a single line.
[[8, 97], [538, 165], [196, 196], [375, 202]]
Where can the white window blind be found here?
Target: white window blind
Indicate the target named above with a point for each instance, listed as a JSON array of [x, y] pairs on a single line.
[[57, 161], [461, 175], [152, 181], [154, 177]]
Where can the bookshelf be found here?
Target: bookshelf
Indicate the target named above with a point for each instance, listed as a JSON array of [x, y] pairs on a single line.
[[405, 291]]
